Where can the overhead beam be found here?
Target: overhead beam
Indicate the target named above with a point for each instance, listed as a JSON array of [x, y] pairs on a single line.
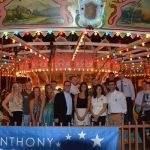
[[64, 43]]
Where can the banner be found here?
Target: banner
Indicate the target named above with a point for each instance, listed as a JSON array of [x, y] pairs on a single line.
[[59, 138]]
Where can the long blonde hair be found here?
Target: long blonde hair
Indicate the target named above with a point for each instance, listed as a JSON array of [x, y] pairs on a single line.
[[16, 93]]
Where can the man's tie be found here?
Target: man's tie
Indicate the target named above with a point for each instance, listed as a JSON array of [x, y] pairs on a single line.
[[122, 86]]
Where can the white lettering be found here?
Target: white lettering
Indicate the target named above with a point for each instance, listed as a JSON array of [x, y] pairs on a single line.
[[11, 140], [50, 141], [21, 141], [3, 141], [30, 142], [40, 142]]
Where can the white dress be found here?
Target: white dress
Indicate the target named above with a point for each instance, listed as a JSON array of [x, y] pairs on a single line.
[[82, 105]]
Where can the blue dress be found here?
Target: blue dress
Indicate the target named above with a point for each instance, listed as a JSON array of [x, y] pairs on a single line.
[[48, 113]]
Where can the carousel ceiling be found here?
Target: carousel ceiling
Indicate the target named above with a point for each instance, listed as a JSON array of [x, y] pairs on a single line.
[[73, 37]]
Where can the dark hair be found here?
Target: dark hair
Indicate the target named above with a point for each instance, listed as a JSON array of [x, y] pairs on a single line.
[[53, 81], [46, 93], [144, 81], [95, 89], [86, 92], [73, 77], [111, 73], [148, 82], [112, 81], [121, 71], [66, 82]]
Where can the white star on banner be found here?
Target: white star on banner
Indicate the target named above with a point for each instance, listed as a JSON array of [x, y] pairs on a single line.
[[97, 141], [82, 135], [68, 137], [58, 144]]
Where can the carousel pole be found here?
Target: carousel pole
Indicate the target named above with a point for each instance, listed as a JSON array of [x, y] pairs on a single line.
[[15, 64], [149, 68], [1, 55]]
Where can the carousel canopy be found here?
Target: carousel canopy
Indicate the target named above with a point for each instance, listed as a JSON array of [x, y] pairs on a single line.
[[74, 36]]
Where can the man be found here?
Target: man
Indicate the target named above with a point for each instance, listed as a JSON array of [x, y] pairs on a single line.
[[63, 106], [125, 85], [145, 111], [117, 106], [146, 103], [74, 88], [140, 94], [27, 96], [110, 78], [53, 85]]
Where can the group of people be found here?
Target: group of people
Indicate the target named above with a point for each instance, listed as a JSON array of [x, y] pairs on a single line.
[[77, 105]]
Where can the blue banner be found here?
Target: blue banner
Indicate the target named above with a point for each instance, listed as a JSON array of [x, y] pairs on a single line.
[[59, 138]]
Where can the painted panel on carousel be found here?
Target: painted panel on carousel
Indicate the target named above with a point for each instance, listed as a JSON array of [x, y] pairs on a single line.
[[131, 14], [38, 12]]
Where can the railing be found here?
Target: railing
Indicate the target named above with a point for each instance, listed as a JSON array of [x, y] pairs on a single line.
[[132, 137]]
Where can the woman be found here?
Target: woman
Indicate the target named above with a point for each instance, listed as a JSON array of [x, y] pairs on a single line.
[[82, 106], [35, 106], [15, 104], [98, 106], [48, 110]]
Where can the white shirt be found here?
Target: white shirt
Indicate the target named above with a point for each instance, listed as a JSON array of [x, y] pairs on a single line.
[[74, 89], [98, 103], [68, 102], [139, 98], [128, 88], [116, 102]]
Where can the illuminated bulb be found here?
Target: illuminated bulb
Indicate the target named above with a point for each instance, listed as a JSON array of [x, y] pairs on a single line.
[[25, 47], [130, 58], [148, 55], [143, 44], [134, 47], [43, 57], [40, 55], [117, 33], [147, 36], [31, 50], [102, 58], [13, 41], [95, 33], [61, 33], [120, 52], [139, 57], [107, 56], [127, 49], [92, 69], [128, 34], [27, 33], [38, 33]]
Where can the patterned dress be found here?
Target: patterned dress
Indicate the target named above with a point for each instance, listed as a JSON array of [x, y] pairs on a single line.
[[48, 113]]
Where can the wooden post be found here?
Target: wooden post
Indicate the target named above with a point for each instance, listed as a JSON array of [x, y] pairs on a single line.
[[15, 68]]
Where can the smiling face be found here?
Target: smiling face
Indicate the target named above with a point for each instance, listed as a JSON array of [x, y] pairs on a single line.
[[111, 86], [67, 86], [121, 75], [98, 90], [83, 87], [36, 92]]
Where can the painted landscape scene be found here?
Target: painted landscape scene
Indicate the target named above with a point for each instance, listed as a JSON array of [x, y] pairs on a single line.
[[33, 12]]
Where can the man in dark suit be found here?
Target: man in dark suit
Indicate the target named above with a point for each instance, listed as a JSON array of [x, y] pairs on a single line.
[[63, 106]]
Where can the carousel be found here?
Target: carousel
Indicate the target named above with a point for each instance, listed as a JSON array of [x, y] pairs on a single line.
[[45, 40], [84, 38]]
